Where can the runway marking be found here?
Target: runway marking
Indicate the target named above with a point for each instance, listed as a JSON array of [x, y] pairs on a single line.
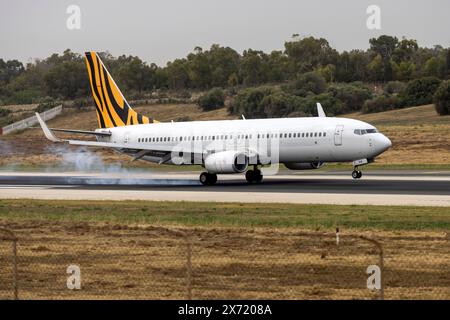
[[49, 193]]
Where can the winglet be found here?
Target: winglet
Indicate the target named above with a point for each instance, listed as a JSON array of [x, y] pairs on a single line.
[[320, 111], [48, 134]]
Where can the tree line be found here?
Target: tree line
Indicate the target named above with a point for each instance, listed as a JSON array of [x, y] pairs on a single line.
[[388, 60]]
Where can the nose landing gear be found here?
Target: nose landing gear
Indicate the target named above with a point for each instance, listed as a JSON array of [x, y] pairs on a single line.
[[356, 174]]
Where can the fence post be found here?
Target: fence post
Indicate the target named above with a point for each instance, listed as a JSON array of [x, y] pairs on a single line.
[[15, 284], [188, 268], [10, 236], [380, 262]]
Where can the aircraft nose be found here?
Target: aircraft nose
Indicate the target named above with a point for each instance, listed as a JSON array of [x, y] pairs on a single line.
[[384, 142]]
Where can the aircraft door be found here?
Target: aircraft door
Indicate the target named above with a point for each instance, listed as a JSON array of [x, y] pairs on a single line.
[[338, 135], [126, 137]]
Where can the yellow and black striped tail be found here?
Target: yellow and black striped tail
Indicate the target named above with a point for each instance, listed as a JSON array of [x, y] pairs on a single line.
[[112, 108]]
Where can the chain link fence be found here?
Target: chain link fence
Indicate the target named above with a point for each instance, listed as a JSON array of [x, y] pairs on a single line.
[[104, 261]]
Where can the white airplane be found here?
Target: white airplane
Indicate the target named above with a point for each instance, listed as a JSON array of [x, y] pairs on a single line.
[[225, 146]]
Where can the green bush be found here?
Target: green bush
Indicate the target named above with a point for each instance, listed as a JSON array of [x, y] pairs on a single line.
[[419, 92], [279, 104], [309, 82], [381, 103], [352, 95], [81, 103], [213, 99], [394, 87], [4, 112], [266, 102], [46, 104], [247, 102], [442, 98]]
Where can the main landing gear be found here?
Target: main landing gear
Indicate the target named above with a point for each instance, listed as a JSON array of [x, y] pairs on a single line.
[[356, 174], [208, 179], [254, 176]]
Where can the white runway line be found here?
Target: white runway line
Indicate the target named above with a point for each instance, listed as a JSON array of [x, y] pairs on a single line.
[[194, 176], [47, 193]]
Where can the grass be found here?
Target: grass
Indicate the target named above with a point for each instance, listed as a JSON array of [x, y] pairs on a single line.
[[230, 214]]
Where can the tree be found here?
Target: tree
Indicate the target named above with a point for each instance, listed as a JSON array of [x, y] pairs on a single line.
[[177, 74], [442, 99], [376, 69], [419, 91], [135, 74], [383, 46], [352, 95], [10, 70], [352, 66], [308, 82], [67, 80], [213, 99], [199, 69], [405, 50], [308, 53], [435, 67], [404, 71], [253, 69], [224, 62]]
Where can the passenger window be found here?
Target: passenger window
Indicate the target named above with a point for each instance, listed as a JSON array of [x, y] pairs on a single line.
[[320, 134], [315, 134], [289, 135], [324, 134]]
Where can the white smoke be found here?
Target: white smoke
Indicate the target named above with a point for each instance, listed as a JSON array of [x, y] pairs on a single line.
[[5, 150], [83, 160]]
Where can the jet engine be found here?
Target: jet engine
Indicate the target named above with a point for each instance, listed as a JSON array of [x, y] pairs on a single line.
[[304, 165], [226, 162]]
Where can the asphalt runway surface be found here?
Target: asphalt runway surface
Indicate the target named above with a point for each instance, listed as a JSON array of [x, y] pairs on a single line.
[[377, 188]]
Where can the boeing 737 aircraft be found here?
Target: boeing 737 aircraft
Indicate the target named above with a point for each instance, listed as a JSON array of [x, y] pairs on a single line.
[[225, 146]]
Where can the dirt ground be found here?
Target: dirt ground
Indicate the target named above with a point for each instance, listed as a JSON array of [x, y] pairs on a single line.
[[145, 261]]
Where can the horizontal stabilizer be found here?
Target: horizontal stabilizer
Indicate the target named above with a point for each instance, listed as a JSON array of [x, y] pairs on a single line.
[[95, 133], [48, 134]]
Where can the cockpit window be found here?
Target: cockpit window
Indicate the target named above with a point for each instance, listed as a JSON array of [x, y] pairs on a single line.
[[361, 132]]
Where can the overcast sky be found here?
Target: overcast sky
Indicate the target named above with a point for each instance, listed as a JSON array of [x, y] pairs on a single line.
[[161, 30]]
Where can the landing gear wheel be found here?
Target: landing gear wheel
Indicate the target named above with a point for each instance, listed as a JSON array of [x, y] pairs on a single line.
[[257, 176], [208, 179], [356, 174], [249, 176], [253, 176]]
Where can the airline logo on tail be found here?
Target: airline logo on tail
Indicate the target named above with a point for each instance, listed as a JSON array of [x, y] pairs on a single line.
[[112, 108]]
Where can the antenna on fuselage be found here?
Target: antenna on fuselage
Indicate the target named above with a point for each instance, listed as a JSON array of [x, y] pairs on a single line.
[[243, 118], [320, 112]]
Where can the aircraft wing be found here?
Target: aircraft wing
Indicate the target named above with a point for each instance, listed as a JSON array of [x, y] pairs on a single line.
[[137, 150]]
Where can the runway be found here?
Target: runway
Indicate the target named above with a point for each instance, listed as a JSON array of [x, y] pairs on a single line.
[[424, 189]]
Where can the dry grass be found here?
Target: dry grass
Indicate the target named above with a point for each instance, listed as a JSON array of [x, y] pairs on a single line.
[[143, 261], [418, 134]]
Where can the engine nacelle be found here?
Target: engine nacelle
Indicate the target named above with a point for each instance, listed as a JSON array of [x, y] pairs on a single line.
[[304, 165], [226, 162]]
